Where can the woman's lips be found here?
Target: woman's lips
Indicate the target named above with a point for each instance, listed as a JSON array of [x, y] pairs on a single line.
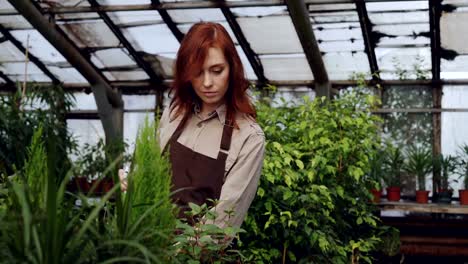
[[210, 94]]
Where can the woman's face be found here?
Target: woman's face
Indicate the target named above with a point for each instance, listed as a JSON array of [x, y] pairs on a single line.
[[212, 82]]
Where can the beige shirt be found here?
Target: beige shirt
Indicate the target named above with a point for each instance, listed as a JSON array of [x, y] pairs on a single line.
[[243, 164]]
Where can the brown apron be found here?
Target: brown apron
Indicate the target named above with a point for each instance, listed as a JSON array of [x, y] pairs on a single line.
[[200, 177]]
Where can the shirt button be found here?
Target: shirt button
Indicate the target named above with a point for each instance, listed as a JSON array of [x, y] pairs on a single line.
[[199, 124]]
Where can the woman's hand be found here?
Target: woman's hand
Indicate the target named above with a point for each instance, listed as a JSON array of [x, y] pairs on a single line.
[[123, 180]]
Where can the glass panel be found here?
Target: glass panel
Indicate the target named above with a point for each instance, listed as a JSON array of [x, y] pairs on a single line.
[[290, 95], [196, 15], [342, 65], [93, 33], [84, 101], [64, 3], [259, 11], [135, 18], [454, 69], [452, 26], [249, 72], [39, 46], [404, 63], [336, 17], [330, 34], [123, 2], [9, 53], [152, 39], [125, 75], [402, 29], [32, 77], [184, 28], [132, 123], [331, 7], [85, 131], [286, 67], [268, 35], [111, 58], [14, 22], [139, 101], [396, 6], [6, 6], [161, 63], [68, 75], [455, 2], [404, 42], [337, 46], [18, 68], [402, 17]]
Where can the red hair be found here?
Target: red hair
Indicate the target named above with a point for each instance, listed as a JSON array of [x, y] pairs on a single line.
[[190, 58]]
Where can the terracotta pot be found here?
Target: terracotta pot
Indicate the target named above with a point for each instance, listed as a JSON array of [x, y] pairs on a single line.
[[393, 194], [106, 185], [422, 197], [376, 193], [463, 194], [82, 184]]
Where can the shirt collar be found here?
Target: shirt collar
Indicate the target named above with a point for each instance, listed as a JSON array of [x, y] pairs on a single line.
[[220, 112]]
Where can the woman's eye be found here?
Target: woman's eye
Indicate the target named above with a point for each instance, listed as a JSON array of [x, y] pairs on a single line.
[[218, 71]]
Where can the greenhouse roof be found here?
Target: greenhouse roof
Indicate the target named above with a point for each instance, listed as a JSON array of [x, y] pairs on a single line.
[[132, 43]]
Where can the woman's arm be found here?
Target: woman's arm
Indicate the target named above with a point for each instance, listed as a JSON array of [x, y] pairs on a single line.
[[241, 182]]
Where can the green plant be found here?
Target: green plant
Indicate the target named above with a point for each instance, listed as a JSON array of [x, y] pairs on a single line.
[[205, 242], [40, 223], [310, 205], [447, 165], [394, 166], [419, 164], [377, 172], [463, 164], [142, 230], [20, 117]]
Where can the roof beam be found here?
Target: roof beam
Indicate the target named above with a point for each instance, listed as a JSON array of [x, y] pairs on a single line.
[[109, 102], [369, 45], [434, 24], [190, 5], [251, 55], [169, 22], [300, 17], [155, 77], [8, 81], [31, 57]]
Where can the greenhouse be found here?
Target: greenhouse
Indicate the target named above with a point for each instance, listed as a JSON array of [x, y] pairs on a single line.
[[342, 133]]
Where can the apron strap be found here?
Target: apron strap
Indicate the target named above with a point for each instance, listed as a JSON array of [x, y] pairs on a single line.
[[227, 135]]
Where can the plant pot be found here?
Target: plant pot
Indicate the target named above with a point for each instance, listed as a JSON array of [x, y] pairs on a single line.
[[106, 185], [445, 196], [393, 194], [463, 194], [82, 184], [422, 197], [376, 195]]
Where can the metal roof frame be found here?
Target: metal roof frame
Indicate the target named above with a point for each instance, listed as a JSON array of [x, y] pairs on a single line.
[[300, 17], [369, 45], [108, 101]]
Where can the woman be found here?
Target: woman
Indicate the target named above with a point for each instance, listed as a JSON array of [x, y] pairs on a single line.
[[215, 146]]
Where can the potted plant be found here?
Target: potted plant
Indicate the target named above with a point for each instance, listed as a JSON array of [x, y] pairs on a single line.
[[463, 171], [91, 169], [393, 166], [376, 173], [419, 164], [446, 165]]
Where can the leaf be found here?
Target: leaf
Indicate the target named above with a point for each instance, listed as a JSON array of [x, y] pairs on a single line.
[[300, 164]]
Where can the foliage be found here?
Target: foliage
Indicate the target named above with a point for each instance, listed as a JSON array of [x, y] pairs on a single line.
[[40, 223], [205, 242], [95, 158], [393, 166], [311, 204], [377, 171], [141, 230], [20, 117], [419, 164], [447, 165], [463, 164]]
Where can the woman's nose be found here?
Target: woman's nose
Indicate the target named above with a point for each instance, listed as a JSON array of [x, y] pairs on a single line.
[[207, 80]]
